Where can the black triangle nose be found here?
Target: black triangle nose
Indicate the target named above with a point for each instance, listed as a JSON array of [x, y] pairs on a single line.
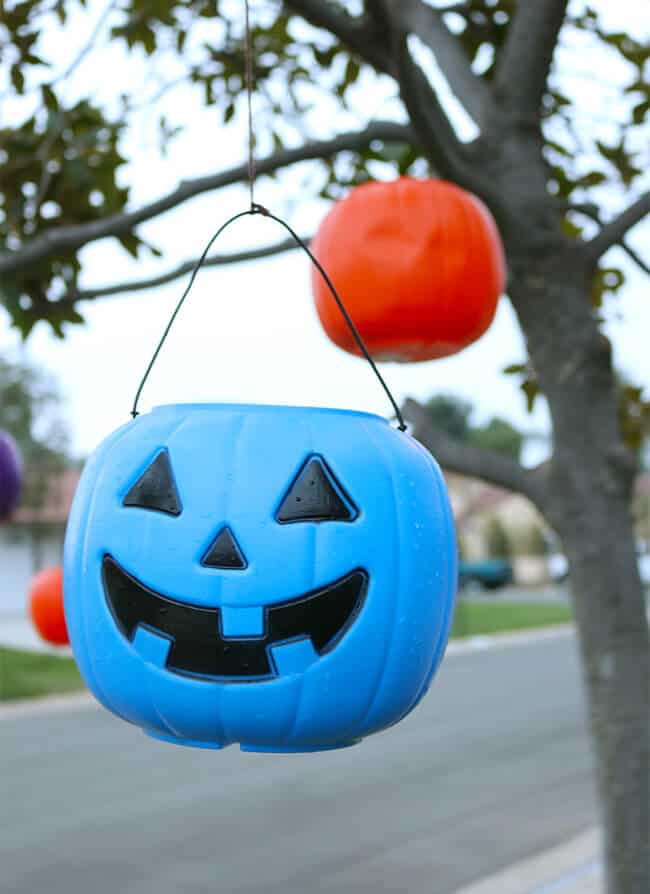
[[224, 552]]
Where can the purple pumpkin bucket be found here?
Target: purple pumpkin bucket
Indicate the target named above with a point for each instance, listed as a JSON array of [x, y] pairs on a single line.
[[11, 473]]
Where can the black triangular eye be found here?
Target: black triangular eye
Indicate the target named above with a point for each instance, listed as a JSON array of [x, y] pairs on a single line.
[[224, 552], [156, 489], [315, 495]]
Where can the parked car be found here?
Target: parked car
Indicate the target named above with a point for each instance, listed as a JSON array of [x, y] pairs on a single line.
[[489, 573]]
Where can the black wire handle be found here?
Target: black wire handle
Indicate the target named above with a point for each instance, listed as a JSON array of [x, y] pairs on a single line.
[[255, 208], [260, 209]]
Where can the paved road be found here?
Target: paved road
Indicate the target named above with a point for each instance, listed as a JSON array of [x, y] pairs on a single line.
[[494, 766]]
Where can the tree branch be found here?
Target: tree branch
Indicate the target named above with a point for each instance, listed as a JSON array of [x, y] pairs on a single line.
[[139, 285], [635, 256], [476, 462], [526, 58], [593, 212], [88, 46], [71, 238], [428, 25], [435, 132], [373, 44], [614, 231], [354, 32]]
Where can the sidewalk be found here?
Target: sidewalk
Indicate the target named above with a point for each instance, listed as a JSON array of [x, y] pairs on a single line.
[[571, 868]]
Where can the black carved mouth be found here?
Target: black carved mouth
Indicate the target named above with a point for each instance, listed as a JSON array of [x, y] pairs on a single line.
[[198, 647]]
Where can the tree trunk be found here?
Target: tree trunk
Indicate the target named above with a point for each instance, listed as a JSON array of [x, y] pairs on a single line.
[[609, 608], [589, 503]]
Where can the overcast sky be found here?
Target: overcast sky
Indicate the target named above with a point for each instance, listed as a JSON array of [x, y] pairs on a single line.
[[249, 333]]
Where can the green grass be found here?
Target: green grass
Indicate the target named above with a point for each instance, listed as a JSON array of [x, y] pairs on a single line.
[[474, 617], [25, 674]]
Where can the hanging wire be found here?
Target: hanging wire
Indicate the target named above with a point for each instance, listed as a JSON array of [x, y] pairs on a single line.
[[259, 209], [256, 208], [248, 65], [197, 267]]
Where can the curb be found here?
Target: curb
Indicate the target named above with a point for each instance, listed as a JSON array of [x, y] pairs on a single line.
[[505, 640], [571, 868], [49, 704]]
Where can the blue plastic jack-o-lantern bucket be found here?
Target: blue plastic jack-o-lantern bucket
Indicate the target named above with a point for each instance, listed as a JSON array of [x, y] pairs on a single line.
[[281, 577], [278, 577]]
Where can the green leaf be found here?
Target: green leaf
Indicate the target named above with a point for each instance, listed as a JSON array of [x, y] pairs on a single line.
[[605, 280], [571, 229], [557, 147], [32, 59], [564, 183], [633, 416], [326, 57], [50, 100], [531, 389], [621, 159], [131, 243], [17, 78], [60, 314], [408, 159], [352, 70], [640, 111], [593, 178]]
